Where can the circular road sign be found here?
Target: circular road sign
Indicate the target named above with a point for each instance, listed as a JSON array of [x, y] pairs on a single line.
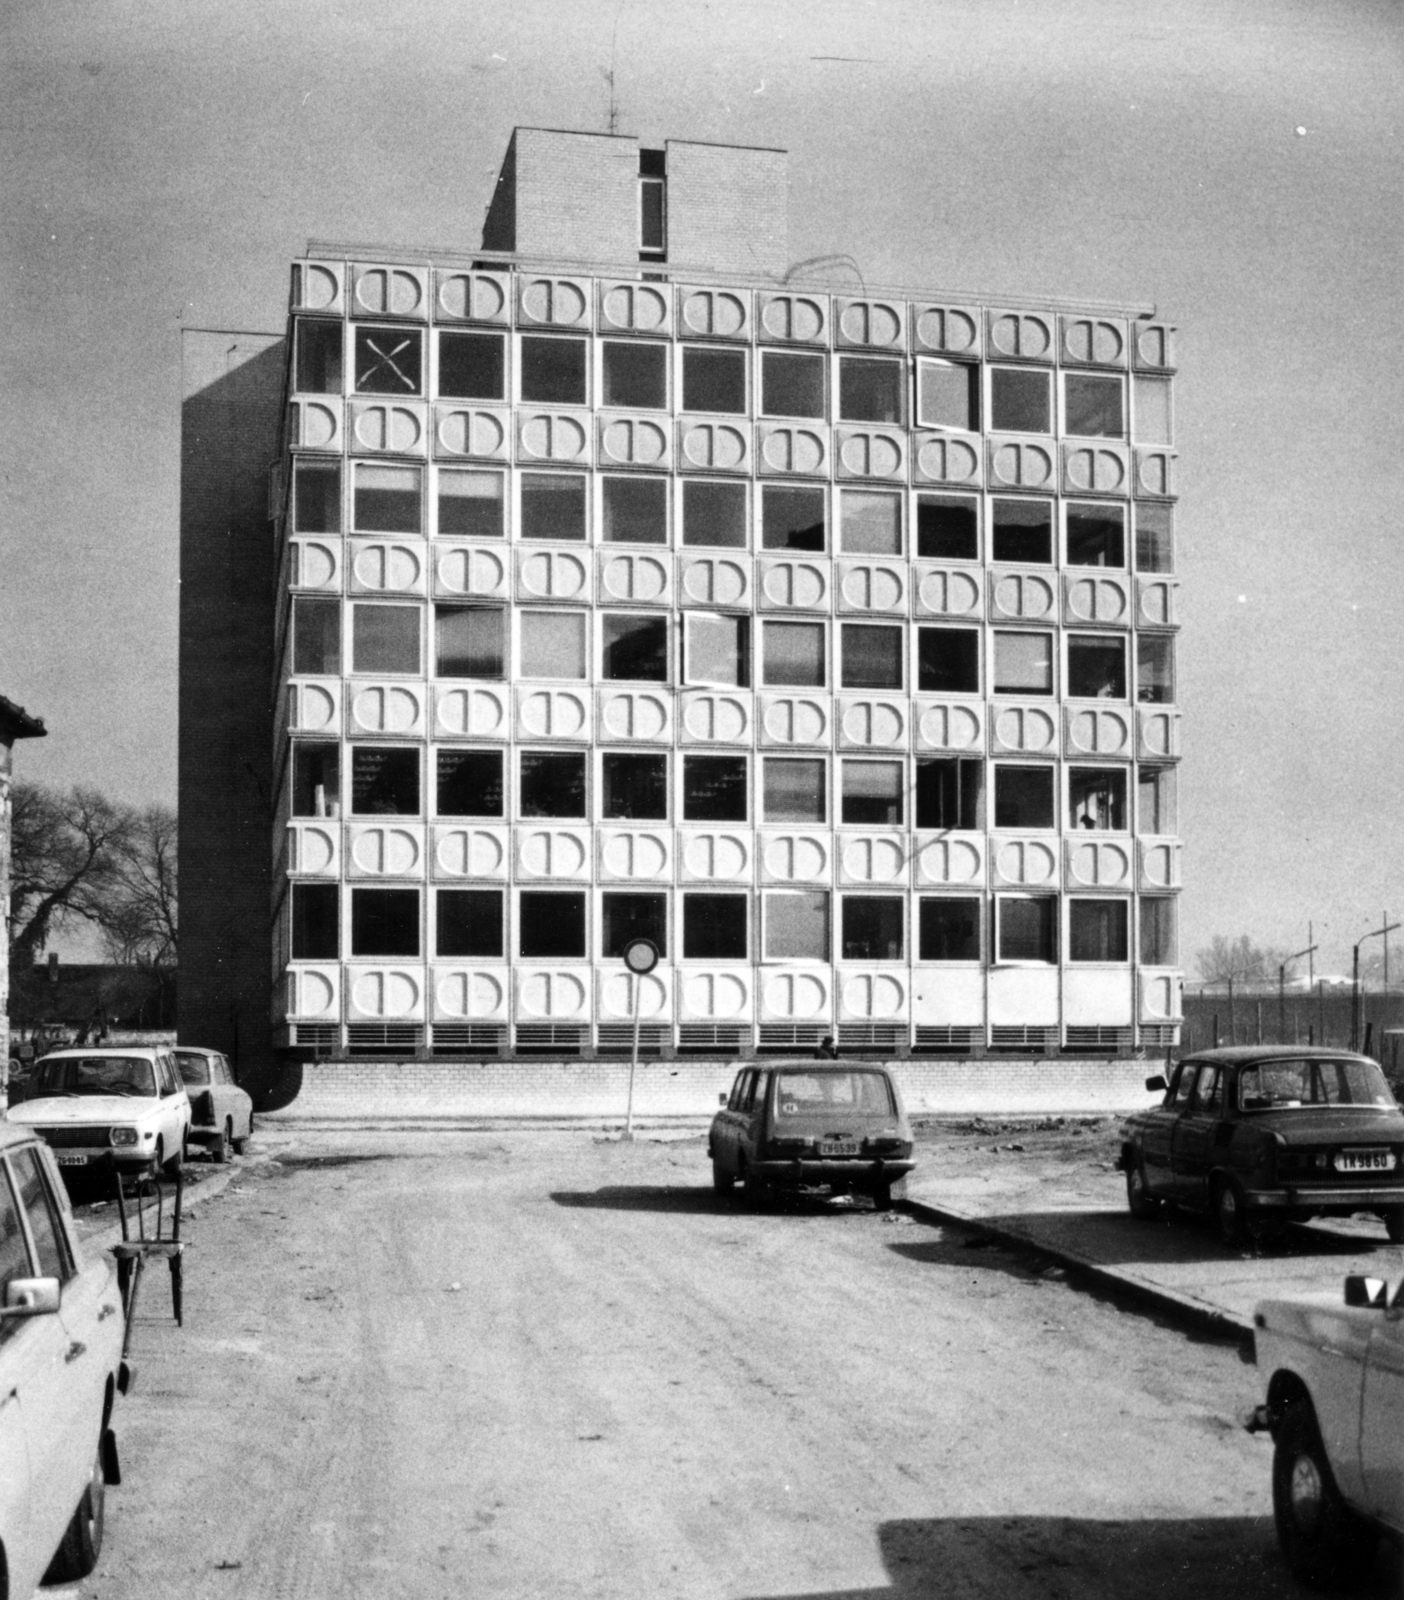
[[641, 955]]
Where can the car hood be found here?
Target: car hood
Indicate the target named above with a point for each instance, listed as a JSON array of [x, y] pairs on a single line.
[[1327, 1124], [69, 1111]]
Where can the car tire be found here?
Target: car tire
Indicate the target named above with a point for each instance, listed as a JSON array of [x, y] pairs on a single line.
[[1324, 1542], [1140, 1202], [1230, 1213], [171, 1169], [219, 1150], [758, 1191], [81, 1544], [1394, 1224], [722, 1180]]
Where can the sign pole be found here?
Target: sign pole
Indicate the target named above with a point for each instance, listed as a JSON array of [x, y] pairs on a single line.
[[640, 958]]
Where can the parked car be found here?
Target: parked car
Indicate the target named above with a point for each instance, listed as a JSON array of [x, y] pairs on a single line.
[[125, 1105], [1257, 1135], [221, 1113], [798, 1126], [1335, 1409], [60, 1372]]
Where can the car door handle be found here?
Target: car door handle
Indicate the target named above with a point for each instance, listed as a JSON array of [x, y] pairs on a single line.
[[76, 1349]]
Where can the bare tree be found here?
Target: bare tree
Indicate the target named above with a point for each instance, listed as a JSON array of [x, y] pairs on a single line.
[[1237, 960], [66, 853], [140, 923]]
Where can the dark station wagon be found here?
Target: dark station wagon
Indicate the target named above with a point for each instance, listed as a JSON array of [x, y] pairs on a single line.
[[800, 1126], [1257, 1135]]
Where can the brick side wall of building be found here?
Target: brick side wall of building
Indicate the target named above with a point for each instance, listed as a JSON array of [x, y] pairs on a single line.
[[576, 194], [727, 208]]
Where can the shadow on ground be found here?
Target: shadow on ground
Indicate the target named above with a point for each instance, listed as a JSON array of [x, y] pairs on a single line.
[[675, 1198], [990, 1558]]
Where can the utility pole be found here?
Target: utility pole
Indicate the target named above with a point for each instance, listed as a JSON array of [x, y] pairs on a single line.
[[1282, 987], [1374, 933]]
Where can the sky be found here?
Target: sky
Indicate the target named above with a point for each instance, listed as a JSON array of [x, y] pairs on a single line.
[[1234, 163]]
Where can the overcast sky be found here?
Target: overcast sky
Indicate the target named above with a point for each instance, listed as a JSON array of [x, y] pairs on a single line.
[[1235, 163]]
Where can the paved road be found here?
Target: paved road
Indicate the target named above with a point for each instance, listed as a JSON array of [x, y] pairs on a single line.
[[536, 1365]]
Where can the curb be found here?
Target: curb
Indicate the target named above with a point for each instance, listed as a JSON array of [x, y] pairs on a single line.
[[1201, 1314]]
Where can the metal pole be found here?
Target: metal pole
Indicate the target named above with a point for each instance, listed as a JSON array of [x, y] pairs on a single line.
[[1282, 1002], [1355, 998], [1311, 959], [633, 1057], [1233, 1017]]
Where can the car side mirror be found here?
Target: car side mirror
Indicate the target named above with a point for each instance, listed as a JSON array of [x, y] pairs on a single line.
[[30, 1297], [1157, 1083], [721, 1098], [1363, 1291]]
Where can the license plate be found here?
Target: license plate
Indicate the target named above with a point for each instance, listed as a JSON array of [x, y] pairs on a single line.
[[838, 1147], [1365, 1161], [71, 1160]]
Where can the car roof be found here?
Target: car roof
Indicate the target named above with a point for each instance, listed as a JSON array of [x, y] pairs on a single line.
[[114, 1050], [1247, 1055], [195, 1050], [819, 1068]]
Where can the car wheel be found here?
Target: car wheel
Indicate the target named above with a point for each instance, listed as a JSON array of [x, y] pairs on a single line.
[[1140, 1202], [78, 1551], [219, 1151], [171, 1169], [1324, 1542], [722, 1180], [1394, 1224], [1230, 1213], [758, 1191]]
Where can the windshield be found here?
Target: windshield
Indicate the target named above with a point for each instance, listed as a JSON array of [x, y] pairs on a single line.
[[1277, 1084], [94, 1075], [801, 1093], [194, 1070]]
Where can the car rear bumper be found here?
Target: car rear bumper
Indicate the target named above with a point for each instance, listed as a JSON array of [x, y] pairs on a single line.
[[1333, 1197], [804, 1171]]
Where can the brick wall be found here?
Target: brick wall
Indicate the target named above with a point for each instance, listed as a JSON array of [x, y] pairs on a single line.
[[576, 194], [690, 1088], [727, 208]]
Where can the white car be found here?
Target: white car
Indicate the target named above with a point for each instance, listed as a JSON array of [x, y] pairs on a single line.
[[61, 1370], [125, 1106], [1335, 1409]]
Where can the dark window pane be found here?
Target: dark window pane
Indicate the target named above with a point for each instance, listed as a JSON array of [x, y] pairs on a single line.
[[389, 360], [872, 928], [948, 527], [1155, 797], [385, 638], [948, 792], [794, 790], [1023, 663], [792, 385], [316, 496], [1019, 401], [716, 650], [470, 504], [1096, 536], [1097, 930], [635, 375], [872, 793], [794, 654], [1096, 668], [469, 641], [1154, 545], [626, 917], [714, 380], [1094, 405], [872, 656], [552, 924], [948, 660], [714, 514], [714, 927], [870, 523], [471, 366], [1023, 531], [469, 783], [635, 510], [316, 636], [553, 785], [385, 922], [792, 519], [1024, 797], [553, 371], [714, 789], [384, 781], [950, 930], [388, 499], [635, 787], [870, 390], [316, 780], [318, 357], [553, 505], [316, 922], [1159, 944], [635, 648], [1028, 929], [1097, 798], [651, 217], [468, 922], [797, 926], [948, 395], [1155, 670]]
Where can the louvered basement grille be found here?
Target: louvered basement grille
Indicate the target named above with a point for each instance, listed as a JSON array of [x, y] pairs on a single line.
[[468, 1038], [617, 1039], [1156, 1035], [944, 1041], [323, 1037], [1095, 1037], [779, 1036], [1040, 1041], [869, 1036], [707, 1039], [384, 1038], [549, 1039]]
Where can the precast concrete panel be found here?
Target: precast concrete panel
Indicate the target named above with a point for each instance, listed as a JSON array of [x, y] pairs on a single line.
[[871, 324], [1103, 732], [1021, 335], [383, 291], [1160, 996], [635, 442], [383, 850], [786, 448], [796, 857], [787, 719], [318, 286], [462, 851], [708, 446], [1157, 734], [1098, 998], [1026, 464], [1023, 730], [1098, 863], [470, 571], [378, 567], [711, 718], [470, 433], [556, 853], [628, 577], [313, 993], [635, 716], [378, 427], [1157, 602], [317, 425], [471, 712], [1153, 347], [552, 302], [553, 575], [793, 318], [1023, 996], [714, 855], [949, 725], [946, 330], [316, 564], [557, 437], [1024, 863], [718, 994], [871, 724], [385, 994], [706, 313], [314, 849], [1093, 341], [635, 855], [946, 458], [553, 714], [627, 306], [472, 297], [388, 710], [873, 996], [869, 453], [872, 586], [945, 592], [953, 861], [801, 995], [1102, 600], [551, 994], [621, 994], [873, 859], [1022, 597], [949, 995], [469, 994], [314, 707], [1158, 862], [1155, 474], [793, 585], [1096, 469], [716, 582]]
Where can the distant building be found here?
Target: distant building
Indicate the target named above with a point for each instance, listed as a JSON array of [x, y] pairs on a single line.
[[15, 723], [615, 581]]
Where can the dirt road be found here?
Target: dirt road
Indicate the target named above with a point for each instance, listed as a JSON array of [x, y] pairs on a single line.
[[536, 1364]]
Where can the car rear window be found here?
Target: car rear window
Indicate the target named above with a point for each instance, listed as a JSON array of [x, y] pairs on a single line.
[[799, 1093], [95, 1075], [1275, 1085], [194, 1070]]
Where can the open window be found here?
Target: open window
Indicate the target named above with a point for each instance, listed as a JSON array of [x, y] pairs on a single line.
[[1024, 796], [551, 924], [948, 527], [873, 793], [635, 786], [469, 783], [797, 925], [470, 641], [1026, 928], [949, 928], [316, 630], [716, 650], [1098, 930], [384, 781], [714, 927], [472, 366], [468, 924], [634, 510], [714, 789], [1096, 667], [626, 915], [552, 783], [948, 395], [316, 922], [553, 370], [948, 791], [385, 922], [714, 380], [469, 504], [872, 928], [384, 639], [1097, 799]]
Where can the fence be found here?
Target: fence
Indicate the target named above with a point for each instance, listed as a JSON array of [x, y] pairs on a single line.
[[1323, 1016]]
